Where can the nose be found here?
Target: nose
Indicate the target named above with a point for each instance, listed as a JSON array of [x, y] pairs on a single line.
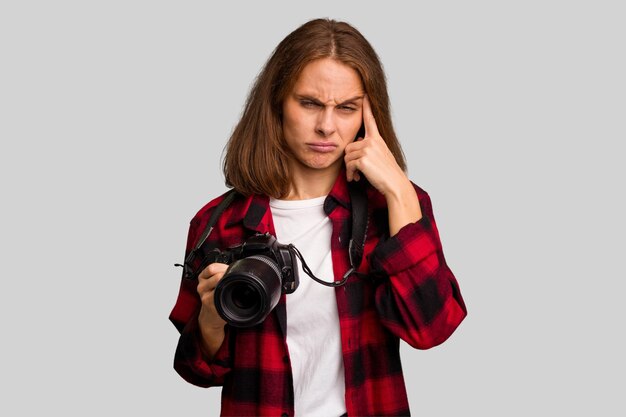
[[325, 123]]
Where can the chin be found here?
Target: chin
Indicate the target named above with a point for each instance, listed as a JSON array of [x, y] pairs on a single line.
[[322, 163]]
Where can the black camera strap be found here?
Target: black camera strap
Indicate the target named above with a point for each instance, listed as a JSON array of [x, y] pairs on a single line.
[[223, 205], [200, 249], [358, 203], [356, 246]]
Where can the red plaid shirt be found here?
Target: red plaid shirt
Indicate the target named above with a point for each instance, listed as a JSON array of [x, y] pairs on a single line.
[[410, 294]]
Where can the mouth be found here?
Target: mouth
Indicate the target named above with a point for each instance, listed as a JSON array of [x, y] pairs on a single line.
[[322, 147]]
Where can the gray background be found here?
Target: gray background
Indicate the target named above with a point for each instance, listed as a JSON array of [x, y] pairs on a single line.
[[113, 117]]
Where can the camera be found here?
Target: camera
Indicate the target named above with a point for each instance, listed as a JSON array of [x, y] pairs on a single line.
[[259, 271]]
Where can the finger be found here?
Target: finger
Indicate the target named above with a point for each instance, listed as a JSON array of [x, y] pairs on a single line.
[[209, 283], [371, 128], [352, 170], [212, 269], [207, 297], [355, 146], [353, 155], [211, 279]]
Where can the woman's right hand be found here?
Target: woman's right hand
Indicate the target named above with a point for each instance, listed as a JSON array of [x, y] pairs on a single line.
[[211, 323]]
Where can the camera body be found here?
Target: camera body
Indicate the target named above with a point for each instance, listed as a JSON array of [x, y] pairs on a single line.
[[260, 270]]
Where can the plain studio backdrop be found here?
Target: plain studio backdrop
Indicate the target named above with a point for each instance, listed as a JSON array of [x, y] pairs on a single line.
[[113, 118]]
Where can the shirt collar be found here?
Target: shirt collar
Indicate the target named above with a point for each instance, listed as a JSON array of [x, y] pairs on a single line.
[[257, 215], [339, 194], [254, 211]]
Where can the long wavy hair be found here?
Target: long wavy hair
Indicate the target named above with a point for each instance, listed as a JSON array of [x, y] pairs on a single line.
[[256, 155]]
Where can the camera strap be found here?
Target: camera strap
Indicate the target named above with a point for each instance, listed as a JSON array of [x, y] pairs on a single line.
[[219, 209], [358, 203], [199, 249]]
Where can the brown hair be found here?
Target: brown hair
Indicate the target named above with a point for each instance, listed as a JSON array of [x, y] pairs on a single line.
[[256, 155]]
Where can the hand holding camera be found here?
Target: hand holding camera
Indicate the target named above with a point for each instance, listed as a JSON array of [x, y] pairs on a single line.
[[242, 284], [207, 281], [259, 271], [210, 322]]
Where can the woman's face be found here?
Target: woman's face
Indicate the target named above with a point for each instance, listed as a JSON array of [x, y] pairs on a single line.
[[322, 115]]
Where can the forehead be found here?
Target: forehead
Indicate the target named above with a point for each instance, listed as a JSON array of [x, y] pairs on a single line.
[[328, 79]]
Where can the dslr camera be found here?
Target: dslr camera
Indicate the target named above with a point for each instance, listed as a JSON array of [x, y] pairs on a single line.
[[259, 271]]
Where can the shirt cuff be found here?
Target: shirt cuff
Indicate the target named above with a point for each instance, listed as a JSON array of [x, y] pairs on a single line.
[[194, 365], [412, 244]]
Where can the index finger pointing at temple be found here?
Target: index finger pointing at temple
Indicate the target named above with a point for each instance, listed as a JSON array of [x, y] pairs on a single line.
[[368, 117]]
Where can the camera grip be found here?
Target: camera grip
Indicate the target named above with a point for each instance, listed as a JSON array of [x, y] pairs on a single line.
[[198, 260]]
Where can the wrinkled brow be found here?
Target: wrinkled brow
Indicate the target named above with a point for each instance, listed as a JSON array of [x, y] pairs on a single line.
[[318, 101]]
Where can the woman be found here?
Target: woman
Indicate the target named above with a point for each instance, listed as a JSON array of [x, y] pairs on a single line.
[[316, 120]]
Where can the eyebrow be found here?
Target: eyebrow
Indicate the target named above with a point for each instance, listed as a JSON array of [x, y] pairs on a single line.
[[315, 100]]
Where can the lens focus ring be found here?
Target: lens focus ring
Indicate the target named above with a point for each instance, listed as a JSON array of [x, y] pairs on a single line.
[[268, 261], [249, 290]]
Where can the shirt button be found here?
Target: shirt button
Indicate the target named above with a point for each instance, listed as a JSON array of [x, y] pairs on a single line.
[[284, 415], [285, 359]]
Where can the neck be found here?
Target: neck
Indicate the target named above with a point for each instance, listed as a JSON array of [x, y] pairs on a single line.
[[311, 183]]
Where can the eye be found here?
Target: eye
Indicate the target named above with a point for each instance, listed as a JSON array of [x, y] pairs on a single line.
[[308, 104], [347, 108]]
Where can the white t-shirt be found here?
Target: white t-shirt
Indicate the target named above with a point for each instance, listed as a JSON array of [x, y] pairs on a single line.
[[313, 334]]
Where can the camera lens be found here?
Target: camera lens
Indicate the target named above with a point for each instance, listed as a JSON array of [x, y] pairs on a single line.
[[248, 291], [244, 296]]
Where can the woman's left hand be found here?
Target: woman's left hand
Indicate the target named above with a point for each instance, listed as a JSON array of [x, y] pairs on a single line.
[[371, 157]]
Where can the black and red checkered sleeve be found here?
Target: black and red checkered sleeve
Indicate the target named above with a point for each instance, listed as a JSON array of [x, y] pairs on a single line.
[[420, 301], [189, 360], [191, 363]]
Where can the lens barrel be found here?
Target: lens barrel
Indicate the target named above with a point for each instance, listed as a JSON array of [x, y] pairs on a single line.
[[248, 291]]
